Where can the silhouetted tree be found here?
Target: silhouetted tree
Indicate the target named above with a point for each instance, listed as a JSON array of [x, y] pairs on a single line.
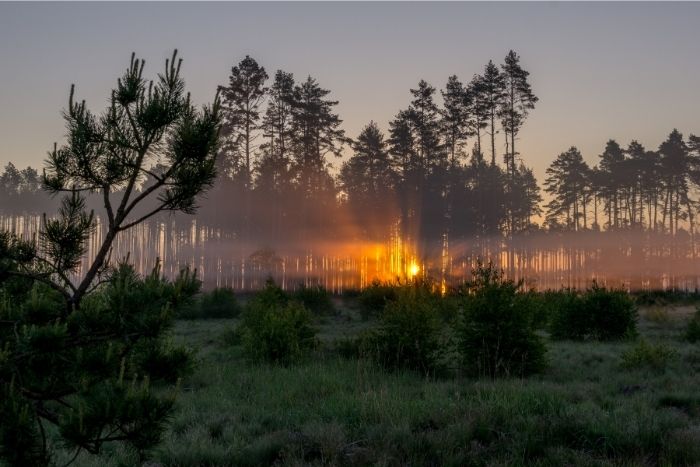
[[675, 165], [567, 183], [492, 92], [241, 101], [518, 100], [367, 179], [611, 163]]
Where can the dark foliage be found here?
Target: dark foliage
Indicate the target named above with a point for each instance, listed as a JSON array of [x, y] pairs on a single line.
[[599, 313], [275, 329], [692, 332], [409, 334], [665, 297], [78, 360], [89, 374], [315, 298], [497, 335], [374, 298], [219, 303]]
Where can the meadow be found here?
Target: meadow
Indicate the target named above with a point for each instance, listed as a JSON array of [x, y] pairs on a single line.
[[627, 402]]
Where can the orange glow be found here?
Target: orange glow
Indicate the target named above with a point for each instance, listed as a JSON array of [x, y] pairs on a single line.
[[413, 270]]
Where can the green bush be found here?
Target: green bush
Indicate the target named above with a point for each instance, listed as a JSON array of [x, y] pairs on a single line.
[[220, 303], [409, 333], [644, 354], [692, 332], [374, 298], [545, 305], [315, 298], [275, 329], [599, 314], [497, 335], [666, 297]]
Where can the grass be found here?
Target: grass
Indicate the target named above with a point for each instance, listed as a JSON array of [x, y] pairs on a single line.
[[585, 409]]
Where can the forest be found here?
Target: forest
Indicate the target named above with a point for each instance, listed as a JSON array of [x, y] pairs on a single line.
[[447, 180], [449, 165]]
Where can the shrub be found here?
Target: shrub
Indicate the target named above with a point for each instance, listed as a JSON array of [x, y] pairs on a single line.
[[270, 295], [374, 298], [409, 333], [315, 298], [644, 354], [545, 305], [220, 303], [275, 329], [666, 297], [692, 332], [599, 313], [497, 335]]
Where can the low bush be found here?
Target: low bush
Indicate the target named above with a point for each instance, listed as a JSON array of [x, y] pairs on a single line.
[[497, 335], [666, 297], [275, 329], [692, 332], [545, 305], [599, 314], [409, 333], [315, 298], [646, 355], [219, 303], [374, 298]]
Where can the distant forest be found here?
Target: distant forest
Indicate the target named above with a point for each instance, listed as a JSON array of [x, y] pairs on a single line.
[[449, 167]]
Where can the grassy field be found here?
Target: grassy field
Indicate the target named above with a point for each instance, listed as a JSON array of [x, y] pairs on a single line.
[[586, 409]]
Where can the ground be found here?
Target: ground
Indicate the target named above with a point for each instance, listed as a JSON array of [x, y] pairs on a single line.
[[586, 409]]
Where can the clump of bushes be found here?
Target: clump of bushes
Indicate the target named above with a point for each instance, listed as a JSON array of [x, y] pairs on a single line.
[[666, 297], [219, 303], [409, 333], [315, 298], [692, 332], [276, 329], [644, 354], [598, 314], [497, 335], [545, 305], [374, 298]]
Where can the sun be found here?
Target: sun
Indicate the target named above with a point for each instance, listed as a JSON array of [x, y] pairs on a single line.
[[413, 270]]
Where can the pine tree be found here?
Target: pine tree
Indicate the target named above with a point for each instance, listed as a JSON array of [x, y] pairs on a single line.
[[491, 90], [315, 133], [367, 179], [675, 165], [611, 162], [518, 100], [241, 101], [455, 118], [567, 182], [81, 356]]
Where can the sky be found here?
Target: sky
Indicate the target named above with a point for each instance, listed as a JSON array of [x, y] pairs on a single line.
[[601, 70]]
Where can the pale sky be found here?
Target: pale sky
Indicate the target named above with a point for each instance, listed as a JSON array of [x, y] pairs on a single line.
[[601, 70]]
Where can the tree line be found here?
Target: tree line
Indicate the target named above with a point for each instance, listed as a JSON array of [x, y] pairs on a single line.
[[448, 167], [630, 187]]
